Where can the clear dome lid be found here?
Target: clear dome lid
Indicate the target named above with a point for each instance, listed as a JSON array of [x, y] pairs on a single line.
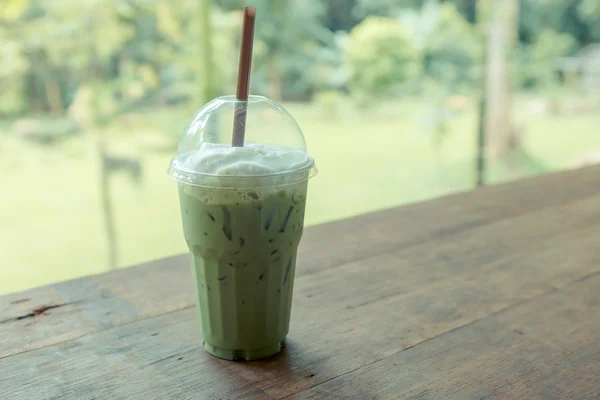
[[273, 153]]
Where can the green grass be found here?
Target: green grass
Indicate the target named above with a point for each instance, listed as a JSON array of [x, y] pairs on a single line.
[[51, 226]]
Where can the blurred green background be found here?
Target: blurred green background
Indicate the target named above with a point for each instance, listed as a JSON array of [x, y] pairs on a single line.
[[394, 97]]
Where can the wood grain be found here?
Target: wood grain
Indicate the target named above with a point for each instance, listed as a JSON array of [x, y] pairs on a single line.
[[546, 348], [92, 304], [439, 309]]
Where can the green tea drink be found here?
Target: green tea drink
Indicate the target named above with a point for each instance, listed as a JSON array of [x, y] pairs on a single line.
[[243, 226]]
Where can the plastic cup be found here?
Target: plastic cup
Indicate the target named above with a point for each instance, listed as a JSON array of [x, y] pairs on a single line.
[[242, 229]]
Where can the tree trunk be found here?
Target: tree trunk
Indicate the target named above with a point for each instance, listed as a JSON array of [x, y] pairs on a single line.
[[34, 99], [275, 77], [107, 210], [53, 95], [501, 36], [273, 68], [98, 121], [480, 159], [207, 84]]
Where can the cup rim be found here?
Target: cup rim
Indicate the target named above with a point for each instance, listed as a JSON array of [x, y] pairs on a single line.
[[282, 178]]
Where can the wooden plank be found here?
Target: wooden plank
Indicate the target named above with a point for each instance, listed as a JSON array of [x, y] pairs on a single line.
[[375, 328], [344, 318], [92, 304], [547, 348], [106, 300], [366, 235], [86, 359]]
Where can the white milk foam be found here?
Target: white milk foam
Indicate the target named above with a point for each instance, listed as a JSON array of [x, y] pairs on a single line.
[[250, 160]]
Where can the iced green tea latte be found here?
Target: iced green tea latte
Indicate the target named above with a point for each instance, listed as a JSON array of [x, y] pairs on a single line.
[[243, 225]]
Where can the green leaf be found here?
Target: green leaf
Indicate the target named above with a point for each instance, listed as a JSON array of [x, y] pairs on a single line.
[[12, 9]]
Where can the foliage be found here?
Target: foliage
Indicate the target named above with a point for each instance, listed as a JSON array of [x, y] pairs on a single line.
[[178, 49], [379, 56], [383, 8], [578, 18], [289, 32], [589, 12], [140, 52], [329, 71], [447, 42], [12, 9], [538, 61], [122, 50], [14, 64]]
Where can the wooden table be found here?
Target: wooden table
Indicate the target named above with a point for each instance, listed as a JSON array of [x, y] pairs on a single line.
[[493, 293]]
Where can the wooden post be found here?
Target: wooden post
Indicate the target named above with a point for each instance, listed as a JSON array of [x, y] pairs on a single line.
[[107, 210], [502, 33], [206, 81], [53, 94], [207, 78], [481, 154], [480, 161], [97, 122], [274, 68]]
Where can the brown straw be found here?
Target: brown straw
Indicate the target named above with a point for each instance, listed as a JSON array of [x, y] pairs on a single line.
[[243, 82]]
